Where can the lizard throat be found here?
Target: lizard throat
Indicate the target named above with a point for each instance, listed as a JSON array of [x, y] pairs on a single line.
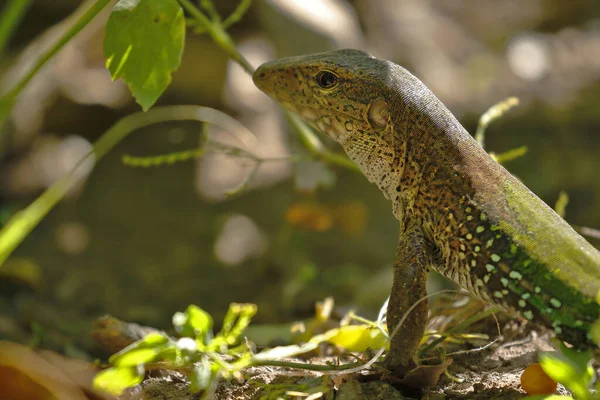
[[381, 165], [339, 126], [376, 157]]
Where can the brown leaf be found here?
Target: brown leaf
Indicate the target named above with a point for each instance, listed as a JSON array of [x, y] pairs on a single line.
[[26, 375]]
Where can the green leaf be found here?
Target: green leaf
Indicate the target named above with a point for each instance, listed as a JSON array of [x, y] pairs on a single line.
[[509, 155], [194, 322], [143, 44], [236, 321], [153, 339], [571, 368], [115, 380], [141, 352], [134, 357]]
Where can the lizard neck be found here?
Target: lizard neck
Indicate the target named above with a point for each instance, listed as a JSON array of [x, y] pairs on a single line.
[[382, 161], [418, 150]]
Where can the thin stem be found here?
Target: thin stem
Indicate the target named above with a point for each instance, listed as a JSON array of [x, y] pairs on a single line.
[[460, 327], [9, 98], [492, 114], [19, 226], [237, 14], [308, 367], [11, 15], [589, 232], [218, 33], [210, 9]]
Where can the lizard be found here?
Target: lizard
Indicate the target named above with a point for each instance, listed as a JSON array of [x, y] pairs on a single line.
[[461, 213]]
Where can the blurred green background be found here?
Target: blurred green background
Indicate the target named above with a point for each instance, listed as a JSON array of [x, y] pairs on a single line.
[[142, 243]]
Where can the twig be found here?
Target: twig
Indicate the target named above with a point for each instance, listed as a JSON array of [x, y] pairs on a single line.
[[459, 327], [19, 226], [10, 16], [492, 114], [8, 99], [217, 31]]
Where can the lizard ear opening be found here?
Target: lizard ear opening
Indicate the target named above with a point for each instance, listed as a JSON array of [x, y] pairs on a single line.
[[378, 114]]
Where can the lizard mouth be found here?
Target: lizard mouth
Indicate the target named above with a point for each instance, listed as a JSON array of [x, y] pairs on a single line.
[[264, 80], [336, 128], [306, 107]]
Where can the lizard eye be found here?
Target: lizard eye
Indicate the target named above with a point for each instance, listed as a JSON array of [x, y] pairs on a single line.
[[326, 79]]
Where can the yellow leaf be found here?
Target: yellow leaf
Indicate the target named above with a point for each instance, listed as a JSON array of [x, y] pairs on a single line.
[[354, 337]]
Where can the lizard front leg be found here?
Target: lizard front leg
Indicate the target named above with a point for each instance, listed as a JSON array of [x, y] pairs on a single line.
[[411, 268]]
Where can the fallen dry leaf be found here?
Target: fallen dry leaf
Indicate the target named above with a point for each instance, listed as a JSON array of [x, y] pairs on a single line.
[[27, 375]]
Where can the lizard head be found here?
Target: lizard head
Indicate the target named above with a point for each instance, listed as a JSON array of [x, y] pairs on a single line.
[[339, 93]]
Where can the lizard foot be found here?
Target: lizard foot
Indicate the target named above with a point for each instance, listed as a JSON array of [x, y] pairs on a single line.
[[417, 377]]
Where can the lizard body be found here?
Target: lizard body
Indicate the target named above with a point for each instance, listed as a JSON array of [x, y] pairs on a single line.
[[460, 212]]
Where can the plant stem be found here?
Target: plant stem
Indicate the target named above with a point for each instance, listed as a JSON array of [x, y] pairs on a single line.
[[8, 99], [11, 15], [492, 114], [460, 327], [305, 366], [19, 226], [218, 33]]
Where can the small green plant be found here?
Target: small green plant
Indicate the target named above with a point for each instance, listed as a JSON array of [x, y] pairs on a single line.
[[205, 358], [573, 369]]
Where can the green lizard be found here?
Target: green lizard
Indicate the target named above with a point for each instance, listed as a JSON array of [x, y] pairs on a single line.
[[460, 212]]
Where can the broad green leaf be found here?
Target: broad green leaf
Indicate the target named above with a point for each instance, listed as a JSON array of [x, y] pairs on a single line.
[[148, 349], [115, 380], [143, 44], [153, 339], [571, 368], [150, 341], [134, 357], [194, 322], [581, 359], [354, 337]]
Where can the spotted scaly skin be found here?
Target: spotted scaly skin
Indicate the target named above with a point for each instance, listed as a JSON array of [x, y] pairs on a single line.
[[460, 212]]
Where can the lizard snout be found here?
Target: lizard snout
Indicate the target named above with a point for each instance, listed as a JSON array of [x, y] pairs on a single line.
[[275, 81], [261, 79], [258, 76]]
